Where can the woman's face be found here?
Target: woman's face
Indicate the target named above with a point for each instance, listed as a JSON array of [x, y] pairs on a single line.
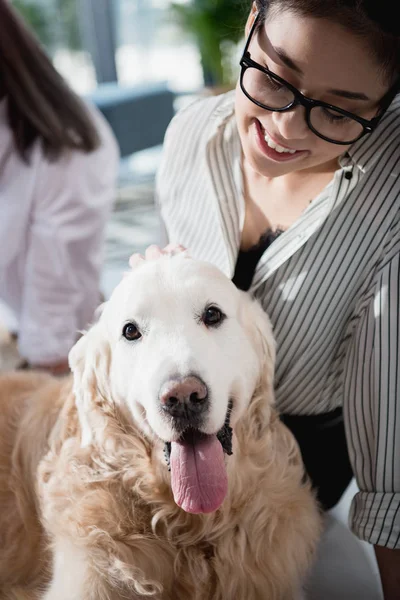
[[325, 62]]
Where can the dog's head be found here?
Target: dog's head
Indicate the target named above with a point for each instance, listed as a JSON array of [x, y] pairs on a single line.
[[182, 351]]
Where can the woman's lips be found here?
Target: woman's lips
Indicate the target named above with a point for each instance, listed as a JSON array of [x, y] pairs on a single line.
[[271, 152]]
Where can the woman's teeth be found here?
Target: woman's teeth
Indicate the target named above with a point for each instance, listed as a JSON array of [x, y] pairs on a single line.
[[277, 147]]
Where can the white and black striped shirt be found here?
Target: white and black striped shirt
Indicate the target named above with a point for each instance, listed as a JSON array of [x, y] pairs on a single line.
[[330, 285]]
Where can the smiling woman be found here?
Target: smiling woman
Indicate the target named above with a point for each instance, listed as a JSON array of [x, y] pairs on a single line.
[[290, 185]]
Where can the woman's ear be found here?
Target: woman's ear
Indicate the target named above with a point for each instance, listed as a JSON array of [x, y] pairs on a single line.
[[250, 19], [90, 360]]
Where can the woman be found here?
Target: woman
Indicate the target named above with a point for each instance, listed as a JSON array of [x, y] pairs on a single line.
[[291, 186], [58, 167]]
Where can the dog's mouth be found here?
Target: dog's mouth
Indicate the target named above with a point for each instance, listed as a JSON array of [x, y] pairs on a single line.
[[198, 473], [190, 434]]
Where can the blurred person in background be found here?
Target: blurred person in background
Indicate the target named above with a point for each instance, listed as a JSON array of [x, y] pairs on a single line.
[[58, 170]]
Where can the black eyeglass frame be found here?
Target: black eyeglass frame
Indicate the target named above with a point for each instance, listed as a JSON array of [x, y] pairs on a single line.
[[369, 126]]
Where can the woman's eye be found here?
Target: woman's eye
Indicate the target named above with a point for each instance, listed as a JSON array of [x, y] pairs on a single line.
[[272, 83], [334, 117], [131, 332], [212, 316]]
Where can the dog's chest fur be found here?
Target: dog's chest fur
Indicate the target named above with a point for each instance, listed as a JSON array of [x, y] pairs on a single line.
[[117, 500], [116, 503]]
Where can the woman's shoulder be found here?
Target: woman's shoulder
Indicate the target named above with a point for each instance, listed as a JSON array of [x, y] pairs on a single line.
[[86, 176], [97, 163], [394, 108], [386, 137], [390, 127], [106, 136], [378, 154], [201, 118]]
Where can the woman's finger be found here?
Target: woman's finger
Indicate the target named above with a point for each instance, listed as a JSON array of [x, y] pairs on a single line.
[[173, 249], [153, 252], [135, 260]]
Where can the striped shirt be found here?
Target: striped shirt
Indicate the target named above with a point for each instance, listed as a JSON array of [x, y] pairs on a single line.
[[330, 285]]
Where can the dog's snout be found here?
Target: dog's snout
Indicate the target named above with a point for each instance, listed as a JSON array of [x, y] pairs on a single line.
[[184, 396]]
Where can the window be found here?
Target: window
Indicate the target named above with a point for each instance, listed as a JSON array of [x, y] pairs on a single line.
[[150, 46], [57, 25]]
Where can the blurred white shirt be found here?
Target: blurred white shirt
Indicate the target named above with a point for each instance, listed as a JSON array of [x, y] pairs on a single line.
[[52, 221]]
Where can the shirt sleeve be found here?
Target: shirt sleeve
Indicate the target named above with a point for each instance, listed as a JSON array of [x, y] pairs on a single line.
[[162, 231], [72, 201], [372, 405], [164, 182]]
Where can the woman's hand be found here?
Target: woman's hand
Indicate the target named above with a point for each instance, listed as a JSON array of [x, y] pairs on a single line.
[[154, 252], [389, 568], [58, 369]]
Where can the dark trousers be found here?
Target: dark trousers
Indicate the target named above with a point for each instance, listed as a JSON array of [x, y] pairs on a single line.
[[324, 450]]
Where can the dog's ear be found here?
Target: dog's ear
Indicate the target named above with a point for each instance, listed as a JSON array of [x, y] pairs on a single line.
[[90, 360], [259, 329]]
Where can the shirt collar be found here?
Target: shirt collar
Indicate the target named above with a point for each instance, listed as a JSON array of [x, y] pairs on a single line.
[[222, 113]]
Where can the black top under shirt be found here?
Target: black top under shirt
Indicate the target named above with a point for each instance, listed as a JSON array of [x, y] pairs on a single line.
[[248, 259]]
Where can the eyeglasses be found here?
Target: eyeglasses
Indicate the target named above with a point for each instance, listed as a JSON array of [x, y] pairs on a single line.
[[331, 123]]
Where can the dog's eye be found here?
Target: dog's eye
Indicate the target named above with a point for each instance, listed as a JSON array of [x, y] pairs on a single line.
[[131, 332], [212, 316]]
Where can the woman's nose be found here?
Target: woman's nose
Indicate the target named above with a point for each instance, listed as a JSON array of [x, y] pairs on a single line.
[[292, 124]]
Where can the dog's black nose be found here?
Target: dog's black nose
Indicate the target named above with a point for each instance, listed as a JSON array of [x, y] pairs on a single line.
[[186, 397]]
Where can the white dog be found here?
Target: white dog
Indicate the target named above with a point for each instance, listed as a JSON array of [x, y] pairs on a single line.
[[176, 374]]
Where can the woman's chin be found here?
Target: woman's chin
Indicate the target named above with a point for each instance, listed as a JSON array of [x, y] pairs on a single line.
[[270, 168]]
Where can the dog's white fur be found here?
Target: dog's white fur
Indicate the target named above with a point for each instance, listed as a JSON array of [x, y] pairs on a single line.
[[86, 509]]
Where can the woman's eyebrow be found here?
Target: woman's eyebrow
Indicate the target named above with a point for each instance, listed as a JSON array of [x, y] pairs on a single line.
[[280, 52], [350, 95]]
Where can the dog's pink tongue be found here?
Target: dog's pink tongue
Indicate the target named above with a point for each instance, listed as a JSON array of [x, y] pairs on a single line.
[[198, 475]]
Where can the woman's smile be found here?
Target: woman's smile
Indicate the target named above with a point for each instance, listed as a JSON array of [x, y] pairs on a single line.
[[274, 149]]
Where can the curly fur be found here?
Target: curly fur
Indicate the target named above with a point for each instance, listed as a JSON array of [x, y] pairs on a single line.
[[106, 507]]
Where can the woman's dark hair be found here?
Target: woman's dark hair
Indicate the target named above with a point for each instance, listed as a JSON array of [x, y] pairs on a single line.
[[375, 21], [40, 105]]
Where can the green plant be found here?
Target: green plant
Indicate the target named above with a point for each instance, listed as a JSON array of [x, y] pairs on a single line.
[[218, 26], [36, 16], [68, 15], [47, 21]]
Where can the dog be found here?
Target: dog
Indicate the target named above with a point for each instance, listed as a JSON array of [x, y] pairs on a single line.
[[160, 468]]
